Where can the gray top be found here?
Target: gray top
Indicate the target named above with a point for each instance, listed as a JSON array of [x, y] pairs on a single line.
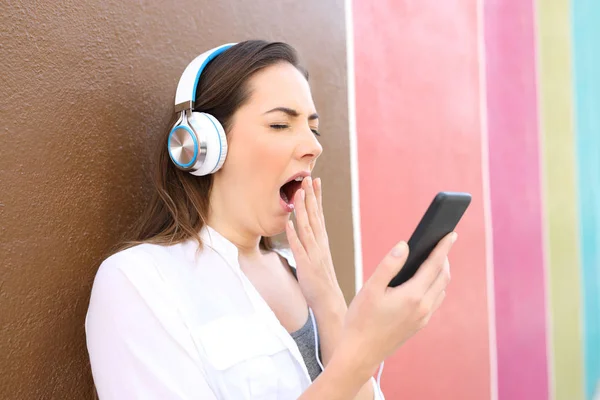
[[305, 339], [305, 336]]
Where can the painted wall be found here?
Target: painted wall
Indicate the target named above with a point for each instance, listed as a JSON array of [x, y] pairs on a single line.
[[585, 26], [516, 199], [560, 197], [500, 98], [419, 131]]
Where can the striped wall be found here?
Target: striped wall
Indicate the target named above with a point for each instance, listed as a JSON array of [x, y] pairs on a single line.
[[500, 98], [586, 60], [514, 147], [414, 121], [559, 173]]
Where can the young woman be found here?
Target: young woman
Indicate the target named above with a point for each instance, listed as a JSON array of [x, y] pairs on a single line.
[[200, 305]]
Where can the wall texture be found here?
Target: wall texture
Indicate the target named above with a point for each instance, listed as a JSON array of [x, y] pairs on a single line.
[[557, 114], [515, 192], [498, 98], [419, 132], [87, 86], [585, 28]]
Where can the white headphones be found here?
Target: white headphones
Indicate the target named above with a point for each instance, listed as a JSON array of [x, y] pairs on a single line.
[[197, 141]]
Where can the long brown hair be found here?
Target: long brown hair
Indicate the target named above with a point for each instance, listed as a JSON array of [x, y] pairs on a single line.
[[178, 208]]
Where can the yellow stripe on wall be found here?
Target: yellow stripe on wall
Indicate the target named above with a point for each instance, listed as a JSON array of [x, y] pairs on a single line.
[[560, 197]]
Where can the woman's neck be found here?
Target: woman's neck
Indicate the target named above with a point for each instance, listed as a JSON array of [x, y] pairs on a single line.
[[248, 244], [228, 223]]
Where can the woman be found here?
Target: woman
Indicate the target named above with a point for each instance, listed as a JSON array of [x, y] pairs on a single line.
[[201, 305]]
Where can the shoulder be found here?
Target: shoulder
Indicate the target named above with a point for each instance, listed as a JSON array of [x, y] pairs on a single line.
[[133, 269], [137, 259], [131, 299], [130, 281], [132, 256]]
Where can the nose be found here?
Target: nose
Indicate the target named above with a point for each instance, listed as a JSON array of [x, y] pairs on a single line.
[[309, 147]]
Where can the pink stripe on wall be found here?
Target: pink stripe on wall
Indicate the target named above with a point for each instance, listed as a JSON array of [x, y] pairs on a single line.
[[418, 132], [514, 155]]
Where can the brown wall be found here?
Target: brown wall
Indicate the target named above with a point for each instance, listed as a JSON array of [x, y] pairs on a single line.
[[87, 86]]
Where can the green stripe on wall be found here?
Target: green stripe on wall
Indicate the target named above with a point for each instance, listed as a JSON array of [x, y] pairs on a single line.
[[556, 112]]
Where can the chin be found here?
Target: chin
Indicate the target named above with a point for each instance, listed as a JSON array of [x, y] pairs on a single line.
[[275, 226]]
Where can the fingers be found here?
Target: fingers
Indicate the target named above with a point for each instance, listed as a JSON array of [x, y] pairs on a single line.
[[294, 241], [311, 234], [319, 196], [438, 286], [305, 230], [431, 268], [438, 301], [313, 210], [389, 266]]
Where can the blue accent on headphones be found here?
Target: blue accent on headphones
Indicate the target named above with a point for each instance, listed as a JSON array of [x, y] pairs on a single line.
[[208, 59], [193, 159]]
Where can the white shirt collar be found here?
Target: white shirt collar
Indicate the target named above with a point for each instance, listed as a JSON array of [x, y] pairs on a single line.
[[213, 239]]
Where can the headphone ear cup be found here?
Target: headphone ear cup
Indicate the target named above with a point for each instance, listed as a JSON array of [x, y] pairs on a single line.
[[184, 146], [212, 143]]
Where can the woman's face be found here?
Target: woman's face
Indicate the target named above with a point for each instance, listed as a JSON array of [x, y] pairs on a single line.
[[272, 140]]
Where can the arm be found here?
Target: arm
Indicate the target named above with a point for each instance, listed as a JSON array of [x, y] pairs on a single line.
[[132, 355], [330, 322], [316, 274], [341, 379], [379, 319]]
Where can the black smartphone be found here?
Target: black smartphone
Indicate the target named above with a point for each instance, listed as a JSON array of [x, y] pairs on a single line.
[[442, 216]]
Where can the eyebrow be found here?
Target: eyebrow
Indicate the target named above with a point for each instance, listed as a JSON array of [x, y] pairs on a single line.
[[292, 113]]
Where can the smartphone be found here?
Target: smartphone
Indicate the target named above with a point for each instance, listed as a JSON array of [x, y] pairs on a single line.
[[442, 216]]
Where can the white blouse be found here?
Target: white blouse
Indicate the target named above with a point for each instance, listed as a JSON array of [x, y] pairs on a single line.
[[176, 322]]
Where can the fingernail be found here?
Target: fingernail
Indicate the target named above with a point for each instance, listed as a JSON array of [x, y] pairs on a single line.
[[302, 194], [318, 180], [308, 182], [290, 224], [453, 237], [399, 250]]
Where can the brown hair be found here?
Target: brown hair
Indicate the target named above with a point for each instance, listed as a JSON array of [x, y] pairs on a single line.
[[178, 208]]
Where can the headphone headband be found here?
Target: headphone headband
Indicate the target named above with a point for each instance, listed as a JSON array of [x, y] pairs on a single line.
[[186, 89]]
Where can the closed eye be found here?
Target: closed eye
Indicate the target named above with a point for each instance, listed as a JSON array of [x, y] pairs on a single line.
[[284, 126]]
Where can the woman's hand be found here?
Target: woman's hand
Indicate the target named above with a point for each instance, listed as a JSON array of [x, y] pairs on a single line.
[[381, 318], [310, 246]]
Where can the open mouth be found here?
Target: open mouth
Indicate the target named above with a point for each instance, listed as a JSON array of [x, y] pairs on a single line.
[[287, 191]]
